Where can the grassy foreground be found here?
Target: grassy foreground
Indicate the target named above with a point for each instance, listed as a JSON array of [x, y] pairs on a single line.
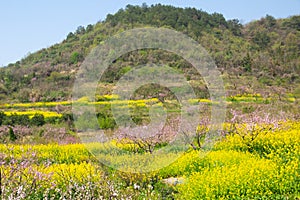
[[237, 167]]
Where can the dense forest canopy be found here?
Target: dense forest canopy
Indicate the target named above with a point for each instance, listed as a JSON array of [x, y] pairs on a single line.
[[262, 56]]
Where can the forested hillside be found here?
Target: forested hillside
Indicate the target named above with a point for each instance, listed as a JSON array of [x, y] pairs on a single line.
[[262, 56]]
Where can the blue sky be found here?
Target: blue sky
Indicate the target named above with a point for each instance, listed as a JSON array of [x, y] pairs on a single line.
[[29, 25]]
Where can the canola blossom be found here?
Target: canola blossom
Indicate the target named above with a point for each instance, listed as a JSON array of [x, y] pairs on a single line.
[[267, 167]]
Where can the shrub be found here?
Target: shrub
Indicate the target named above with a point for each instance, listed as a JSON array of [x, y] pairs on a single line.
[[38, 120], [75, 58], [15, 119], [106, 122], [2, 117], [12, 136], [53, 120]]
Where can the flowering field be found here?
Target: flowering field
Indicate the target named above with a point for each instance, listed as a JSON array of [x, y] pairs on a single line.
[[238, 167], [114, 99], [41, 156], [31, 113]]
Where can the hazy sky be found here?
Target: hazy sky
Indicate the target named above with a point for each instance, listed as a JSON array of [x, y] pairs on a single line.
[[29, 25]]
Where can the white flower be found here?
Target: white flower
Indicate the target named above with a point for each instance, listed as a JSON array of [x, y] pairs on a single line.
[[136, 186], [20, 189], [115, 194]]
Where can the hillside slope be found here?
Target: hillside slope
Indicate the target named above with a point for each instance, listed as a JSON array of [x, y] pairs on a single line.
[[260, 57]]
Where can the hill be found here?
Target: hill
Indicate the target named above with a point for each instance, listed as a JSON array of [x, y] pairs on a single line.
[[260, 57]]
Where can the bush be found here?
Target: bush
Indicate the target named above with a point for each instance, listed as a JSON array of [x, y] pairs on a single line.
[[38, 120], [75, 58], [12, 136], [53, 120], [107, 123], [15, 119], [67, 117], [2, 117]]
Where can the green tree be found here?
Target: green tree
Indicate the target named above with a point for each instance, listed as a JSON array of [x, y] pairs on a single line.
[[70, 35], [247, 63], [235, 26], [80, 30], [270, 21], [262, 39], [89, 28]]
